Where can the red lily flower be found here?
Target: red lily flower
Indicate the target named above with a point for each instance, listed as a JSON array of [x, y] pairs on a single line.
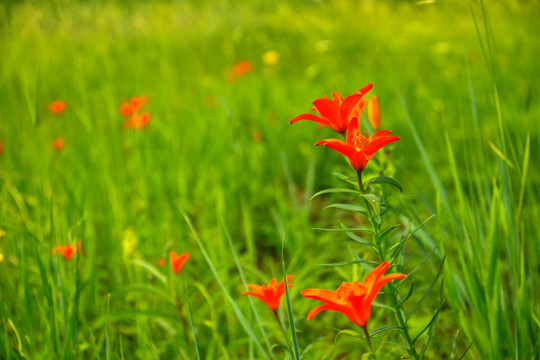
[[353, 299], [336, 113], [177, 261], [58, 144], [357, 148], [239, 70], [374, 113], [271, 294], [68, 250], [130, 110], [57, 107]]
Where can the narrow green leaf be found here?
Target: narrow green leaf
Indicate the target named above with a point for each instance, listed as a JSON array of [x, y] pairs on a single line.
[[424, 259], [500, 155], [409, 294], [386, 232], [346, 229], [349, 207], [191, 323], [150, 268], [289, 305], [353, 182], [241, 272], [374, 202], [466, 350], [336, 190], [243, 321], [347, 332], [428, 290], [383, 180], [383, 329], [432, 326], [454, 345], [345, 263]]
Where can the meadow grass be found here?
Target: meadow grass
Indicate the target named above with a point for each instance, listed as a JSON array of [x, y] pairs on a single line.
[[221, 174]]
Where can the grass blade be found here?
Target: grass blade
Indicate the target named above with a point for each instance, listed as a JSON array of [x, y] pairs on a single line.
[[239, 315]]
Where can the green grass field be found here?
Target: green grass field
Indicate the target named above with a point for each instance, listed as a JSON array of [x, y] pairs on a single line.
[[218, 172]]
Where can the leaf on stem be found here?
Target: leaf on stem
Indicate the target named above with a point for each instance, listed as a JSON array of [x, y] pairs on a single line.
[[383, 180], [336, 190]]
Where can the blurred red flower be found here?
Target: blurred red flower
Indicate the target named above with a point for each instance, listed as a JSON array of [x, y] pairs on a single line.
[[58, 144], [57, 107], [1, 147], [161, 262], [131, 111], [239, 70], [68, 250], [353, 299], [374, 113], [336, 113], [357, 148], [177, 261], [271, 294]]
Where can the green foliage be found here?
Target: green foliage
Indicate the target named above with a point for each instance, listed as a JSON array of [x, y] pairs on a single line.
[[455, 80]]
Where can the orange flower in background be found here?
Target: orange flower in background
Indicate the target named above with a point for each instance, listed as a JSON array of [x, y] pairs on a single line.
[[58, 144], [68, 250], [57, 107], [374, 113], [357, 148], [125, 109], [239, 70], [161, 262], [137, 122], [336, 113], [1, 147], [177, 261], [271, 294], [137, 102], [131, 111], [353, 299]]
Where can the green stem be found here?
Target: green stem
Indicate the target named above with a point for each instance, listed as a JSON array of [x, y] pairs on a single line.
[[360, 181], [368, 339], [402, 323], [182, 318], [276, 315]]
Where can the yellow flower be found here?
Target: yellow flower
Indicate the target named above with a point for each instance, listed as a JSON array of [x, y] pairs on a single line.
[[129, 243], [270, 57]]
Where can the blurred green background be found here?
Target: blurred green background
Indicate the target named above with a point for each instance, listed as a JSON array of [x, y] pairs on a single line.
[[456, 80]]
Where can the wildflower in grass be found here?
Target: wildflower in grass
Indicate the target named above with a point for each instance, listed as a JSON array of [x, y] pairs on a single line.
[[177, 261], [270, 58], [239, 70], [134, 118], [160, 262], [271, 294], [336, 113], [374, 113], [1, 147], [137, 122], [130, 242], [353, 299], [67, 250], [58, 144], [357, 148], [257, 136], [57, 107], [1, 255]]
